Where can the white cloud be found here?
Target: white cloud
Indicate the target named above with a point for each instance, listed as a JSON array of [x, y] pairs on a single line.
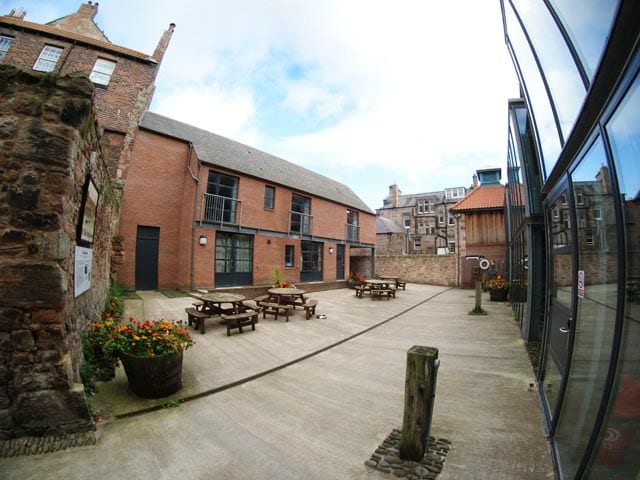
[[366, 91]]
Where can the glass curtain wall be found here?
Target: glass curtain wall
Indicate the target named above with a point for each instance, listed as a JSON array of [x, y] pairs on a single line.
[[577, 62]]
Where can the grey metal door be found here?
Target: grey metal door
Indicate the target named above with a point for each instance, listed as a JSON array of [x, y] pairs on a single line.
[[147, 247]]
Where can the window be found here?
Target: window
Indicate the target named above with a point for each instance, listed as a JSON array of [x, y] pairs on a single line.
[[452, 219], [432, 226], [5, 43], [299, 217], [452, 246], [48, 58], [440, 218], [420, 206], [102, 70], [417, 245], [406, 221], [220, 200], [289, 255], [422, 226], [454, 192], [353, 228], [269, 197]]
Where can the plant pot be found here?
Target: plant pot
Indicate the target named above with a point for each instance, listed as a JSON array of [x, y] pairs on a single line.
[[153, 377], [498, 294]]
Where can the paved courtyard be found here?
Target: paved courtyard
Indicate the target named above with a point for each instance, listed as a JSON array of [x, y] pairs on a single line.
[[312, 399]]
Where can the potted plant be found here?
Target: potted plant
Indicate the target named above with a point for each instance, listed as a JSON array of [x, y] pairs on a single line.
[[151, 353], [498, 288]]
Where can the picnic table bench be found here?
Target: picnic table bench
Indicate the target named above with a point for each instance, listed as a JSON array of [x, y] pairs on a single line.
[[275, 309], [196, 318], [378, 293], [239, 320], [310, 307]]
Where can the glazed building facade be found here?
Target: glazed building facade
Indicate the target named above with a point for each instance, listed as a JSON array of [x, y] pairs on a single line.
[[573, 205]]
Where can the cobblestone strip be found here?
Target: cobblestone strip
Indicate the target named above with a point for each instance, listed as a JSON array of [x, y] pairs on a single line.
[[37, 445], [386, 458]]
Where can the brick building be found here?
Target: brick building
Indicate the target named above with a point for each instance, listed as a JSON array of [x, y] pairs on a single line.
[[124, 78], [200, 210], [428, 225]]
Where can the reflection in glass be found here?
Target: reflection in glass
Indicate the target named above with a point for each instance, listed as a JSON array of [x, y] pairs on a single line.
[[560, 297], [588, 23], [596, 308], [540, 108], [558, 65], [618, 454]]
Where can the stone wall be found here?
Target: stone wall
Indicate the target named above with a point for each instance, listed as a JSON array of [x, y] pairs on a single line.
[[48, 146], [428, 269]]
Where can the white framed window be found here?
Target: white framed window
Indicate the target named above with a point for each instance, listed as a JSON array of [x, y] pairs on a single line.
[[432, 226], [102, 71], [417, 245], [406, 221], [452, 219], [454, 192], [440, 218], [422, 226], [48, 58], [5, 44], [452, 246]]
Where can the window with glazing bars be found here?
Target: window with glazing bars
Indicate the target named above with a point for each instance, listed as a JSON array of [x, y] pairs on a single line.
[[5, 43], [48, 59]]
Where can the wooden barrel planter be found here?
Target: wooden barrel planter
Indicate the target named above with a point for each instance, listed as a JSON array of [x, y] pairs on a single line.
[[153, 377], [498, 294]]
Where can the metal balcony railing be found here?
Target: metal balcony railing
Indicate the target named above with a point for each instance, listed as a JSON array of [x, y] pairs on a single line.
[[300, 223], [352, 232], [220, 210]]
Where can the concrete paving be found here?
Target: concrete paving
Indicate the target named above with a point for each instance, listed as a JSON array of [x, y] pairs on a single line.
[[312, 399]]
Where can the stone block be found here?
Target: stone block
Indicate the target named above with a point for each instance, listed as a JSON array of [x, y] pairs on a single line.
[[56, 245], [23, 197], [22, 340], [10, 319], [51, 146], [32, 285], [44, 410], [6, 421], [47, 317]]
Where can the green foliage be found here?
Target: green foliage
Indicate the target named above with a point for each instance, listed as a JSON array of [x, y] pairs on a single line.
[[277, 276]]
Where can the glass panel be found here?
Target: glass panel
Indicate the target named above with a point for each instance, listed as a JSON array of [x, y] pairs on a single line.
[[560, 301], [223, 253], [243, 254], [48, 58], [102, 71], [619, 451], [588, 23], [596, 308], [563, 77], [5, 43], [538, 101]]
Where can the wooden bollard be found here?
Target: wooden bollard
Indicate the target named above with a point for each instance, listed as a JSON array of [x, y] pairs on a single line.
[[421, 375]]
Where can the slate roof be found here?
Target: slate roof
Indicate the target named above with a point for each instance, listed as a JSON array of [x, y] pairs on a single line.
[[485, 197], [229, 154], [384, 225]]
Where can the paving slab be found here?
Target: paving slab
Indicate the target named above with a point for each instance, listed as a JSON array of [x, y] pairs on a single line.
[[314, 398]]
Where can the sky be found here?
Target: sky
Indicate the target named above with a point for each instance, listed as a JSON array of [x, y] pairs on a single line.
[[367, 92]]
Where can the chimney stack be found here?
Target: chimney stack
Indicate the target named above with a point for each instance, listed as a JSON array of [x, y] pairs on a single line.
[[161, 48]]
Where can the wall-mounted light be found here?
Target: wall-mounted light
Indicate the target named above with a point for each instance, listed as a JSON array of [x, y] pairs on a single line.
[[330, 250], [203, 240]]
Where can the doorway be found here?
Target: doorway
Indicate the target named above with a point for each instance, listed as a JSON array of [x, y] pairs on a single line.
[[147, 247], [234, 260]]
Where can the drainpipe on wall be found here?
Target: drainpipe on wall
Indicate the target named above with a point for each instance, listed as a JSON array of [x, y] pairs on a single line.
[[196, 179]]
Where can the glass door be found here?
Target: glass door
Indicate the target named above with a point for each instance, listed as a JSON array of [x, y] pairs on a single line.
[[560, 306], [595, 319], [234, 259]]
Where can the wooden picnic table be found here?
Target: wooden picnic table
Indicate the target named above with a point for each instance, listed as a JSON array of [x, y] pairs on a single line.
[[287, 296], [213, 302]]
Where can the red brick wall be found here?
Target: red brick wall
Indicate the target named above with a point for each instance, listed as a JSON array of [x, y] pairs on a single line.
[[160, 192], [130, 87]]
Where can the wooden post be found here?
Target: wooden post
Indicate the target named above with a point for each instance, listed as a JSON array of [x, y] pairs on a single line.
[[478, 296], [419, 392]]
